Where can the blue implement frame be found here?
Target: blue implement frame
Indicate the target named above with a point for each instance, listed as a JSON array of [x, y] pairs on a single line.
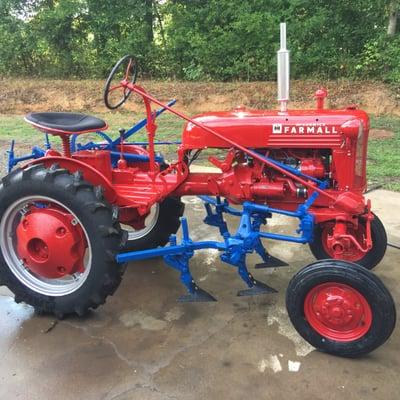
[[233, 247]]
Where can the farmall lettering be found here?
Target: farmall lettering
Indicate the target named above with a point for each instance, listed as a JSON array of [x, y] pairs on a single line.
[[306, 129]]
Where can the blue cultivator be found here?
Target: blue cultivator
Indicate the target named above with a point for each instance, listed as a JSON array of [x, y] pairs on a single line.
[[234, 247]]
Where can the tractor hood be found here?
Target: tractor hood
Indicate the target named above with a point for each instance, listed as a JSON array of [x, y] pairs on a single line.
[[260, 128]]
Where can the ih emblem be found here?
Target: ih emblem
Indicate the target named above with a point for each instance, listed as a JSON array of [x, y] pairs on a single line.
[[277, 128]]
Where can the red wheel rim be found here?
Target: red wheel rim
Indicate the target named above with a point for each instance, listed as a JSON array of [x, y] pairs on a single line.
[[337, 312], [351, 254], [45, 245], [50, 242]]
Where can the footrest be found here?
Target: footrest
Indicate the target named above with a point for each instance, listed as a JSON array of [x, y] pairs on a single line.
[[257, 288]]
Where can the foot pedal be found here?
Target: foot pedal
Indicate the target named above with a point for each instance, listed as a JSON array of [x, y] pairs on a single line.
[[272, 262], [257, 288], [198, 296]]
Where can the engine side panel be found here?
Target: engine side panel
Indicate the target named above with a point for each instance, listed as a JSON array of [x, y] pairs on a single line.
[[260, 129]]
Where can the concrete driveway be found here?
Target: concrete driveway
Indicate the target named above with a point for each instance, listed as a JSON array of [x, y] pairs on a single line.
[[144, 345]]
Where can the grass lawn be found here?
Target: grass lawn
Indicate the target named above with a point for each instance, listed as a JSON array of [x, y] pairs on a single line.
[[383, 155], [383, 165]]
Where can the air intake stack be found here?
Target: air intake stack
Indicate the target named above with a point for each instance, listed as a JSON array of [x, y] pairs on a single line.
[[283, 71]]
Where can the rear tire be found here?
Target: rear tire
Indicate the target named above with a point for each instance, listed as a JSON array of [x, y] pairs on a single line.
[[167, 223], [369, 260], [93, 214], [340, 308]]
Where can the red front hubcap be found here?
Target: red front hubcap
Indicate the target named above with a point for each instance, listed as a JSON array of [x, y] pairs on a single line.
[[338, 312], [50, 242]]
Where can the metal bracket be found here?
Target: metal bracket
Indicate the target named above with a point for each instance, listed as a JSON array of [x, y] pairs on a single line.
[[37, 152]]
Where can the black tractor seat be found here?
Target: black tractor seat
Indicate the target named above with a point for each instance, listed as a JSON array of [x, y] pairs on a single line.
[[58, 123]]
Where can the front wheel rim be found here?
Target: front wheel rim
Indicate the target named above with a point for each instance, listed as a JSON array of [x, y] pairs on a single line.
[[56, 287], [338, 312]]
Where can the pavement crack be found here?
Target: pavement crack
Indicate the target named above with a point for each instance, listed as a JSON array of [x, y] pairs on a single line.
[[104, 339], [52, 325], [150, 372], [190, 346], [138, 386], [10, 348]]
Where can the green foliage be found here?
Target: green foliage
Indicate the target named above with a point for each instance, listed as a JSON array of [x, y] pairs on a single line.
[[197, 39], [237, 40], [381, 58], [383, 155]]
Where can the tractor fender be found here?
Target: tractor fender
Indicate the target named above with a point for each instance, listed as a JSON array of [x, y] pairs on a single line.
[[90, 174]]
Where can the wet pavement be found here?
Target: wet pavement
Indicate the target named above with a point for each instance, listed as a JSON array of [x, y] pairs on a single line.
[[142, 344]]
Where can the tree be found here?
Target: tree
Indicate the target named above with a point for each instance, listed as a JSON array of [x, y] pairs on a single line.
[[393, 16], [199, 39]]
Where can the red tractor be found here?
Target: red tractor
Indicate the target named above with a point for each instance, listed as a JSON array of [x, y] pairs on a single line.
[[71, 219]]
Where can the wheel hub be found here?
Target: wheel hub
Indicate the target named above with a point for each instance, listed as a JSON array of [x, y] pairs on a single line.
[[338, 312], [341, 247], [50, 242]]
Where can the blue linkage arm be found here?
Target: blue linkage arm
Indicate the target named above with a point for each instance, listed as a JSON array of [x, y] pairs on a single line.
[[37, 152], [224, 206], [168, 250], [141, 124]]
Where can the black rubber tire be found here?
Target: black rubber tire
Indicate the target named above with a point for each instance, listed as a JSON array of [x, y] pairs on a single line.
[[368, 284], [100, 221], [168, 223], [371, 259]]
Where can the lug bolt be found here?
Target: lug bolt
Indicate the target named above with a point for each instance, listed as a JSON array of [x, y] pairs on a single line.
[[61, 231]]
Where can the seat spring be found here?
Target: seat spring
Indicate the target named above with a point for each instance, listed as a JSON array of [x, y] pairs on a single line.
[[66, 145]]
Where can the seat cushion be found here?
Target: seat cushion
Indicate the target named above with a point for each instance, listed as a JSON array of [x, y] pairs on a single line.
[[65, 123]]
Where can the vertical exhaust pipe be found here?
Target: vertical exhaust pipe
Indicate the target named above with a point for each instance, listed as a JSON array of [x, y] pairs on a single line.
[[283, 71]]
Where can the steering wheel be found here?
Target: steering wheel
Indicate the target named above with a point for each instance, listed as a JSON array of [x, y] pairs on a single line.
[[125, 69]]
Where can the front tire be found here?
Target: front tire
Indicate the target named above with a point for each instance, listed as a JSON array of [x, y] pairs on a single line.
[[60, 239], [340, 308]]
